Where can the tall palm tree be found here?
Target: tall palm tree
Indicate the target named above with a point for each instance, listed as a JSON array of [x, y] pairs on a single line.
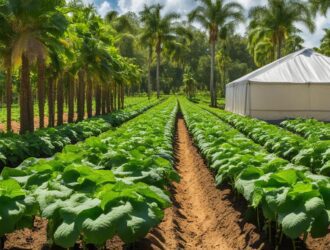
[[320, 5], [6, 38], [161, 30], [215, 16], [325, 43], [147, 38], [36, 25], [276, 21]]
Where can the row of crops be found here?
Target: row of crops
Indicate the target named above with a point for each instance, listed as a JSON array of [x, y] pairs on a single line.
[[314, 154], [310, 129], [293, 200], [46, 142], [113, 184]]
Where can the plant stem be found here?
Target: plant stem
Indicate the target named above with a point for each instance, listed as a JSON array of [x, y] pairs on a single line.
[[258, 219], [281, 237], [2, 242], [270, 231], [305, 237], [294, 244]]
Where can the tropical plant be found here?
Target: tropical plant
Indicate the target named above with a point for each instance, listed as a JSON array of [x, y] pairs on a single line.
[[321, 6], [310, 128], [190, 84], [37, 27], [292, 200], [217, 17], [271, 25], [159, 30], [104, 187], [313, 154], [46, 142], [325, 43]]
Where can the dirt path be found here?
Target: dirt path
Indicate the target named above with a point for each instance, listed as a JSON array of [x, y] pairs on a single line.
[[203, 217]]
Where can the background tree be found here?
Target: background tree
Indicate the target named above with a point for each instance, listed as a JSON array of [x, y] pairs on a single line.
[[325, 43], [190, 84], [271, 25], [160, 29], [215, 16], [321, 6]]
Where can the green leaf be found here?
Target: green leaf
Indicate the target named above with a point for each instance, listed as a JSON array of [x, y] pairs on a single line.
[[320, 225], [11, 189], [104, 227], [295, 223], [285, 177], [314, 206]]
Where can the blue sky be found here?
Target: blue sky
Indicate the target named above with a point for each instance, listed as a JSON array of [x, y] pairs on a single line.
[[185, 6]]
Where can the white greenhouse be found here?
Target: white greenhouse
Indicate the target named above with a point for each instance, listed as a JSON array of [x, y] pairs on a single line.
[[297, 85]]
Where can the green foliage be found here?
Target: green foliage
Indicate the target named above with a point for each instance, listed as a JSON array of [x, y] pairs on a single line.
[[310, 153], [288, 194], [273, 29], [311, 129], [109, 185], [46, 142], [190, 84]]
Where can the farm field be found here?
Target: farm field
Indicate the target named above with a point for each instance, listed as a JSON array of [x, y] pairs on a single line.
[[129, 101], [164, 125], [243, 195]]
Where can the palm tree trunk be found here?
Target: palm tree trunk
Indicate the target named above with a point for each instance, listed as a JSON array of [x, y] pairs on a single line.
[[89, 97], [41, 91], [81, 96], [60, 101], [212, 83], [30, 106], [279, 48], [158, 74], [24, 101], [51, 104], [9, 95], [118, 96], [71, 100], [104, 96], [114, 96], [98, 100], [111, 97], [149, 72], [123, 97], [108, 98]]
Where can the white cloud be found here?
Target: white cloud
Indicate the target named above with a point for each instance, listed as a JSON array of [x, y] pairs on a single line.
[[183, 7], [104, 8]]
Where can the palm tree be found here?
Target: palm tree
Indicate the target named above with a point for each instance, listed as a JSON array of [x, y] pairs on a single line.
[[325, 43], [320, 5], [147, 39], [36, 26], [190, 84], [215, 16], [275, 22], [6, 38], [160, 30]]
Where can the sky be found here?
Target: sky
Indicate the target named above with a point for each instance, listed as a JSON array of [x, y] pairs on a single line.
[[185, 6]]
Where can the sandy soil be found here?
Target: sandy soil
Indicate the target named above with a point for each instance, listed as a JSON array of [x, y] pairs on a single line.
[[203, 217], [35, 238], [16, 126]]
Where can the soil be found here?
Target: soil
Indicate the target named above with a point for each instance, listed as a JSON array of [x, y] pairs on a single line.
[[16, 125], [202, 216], [26, 239]]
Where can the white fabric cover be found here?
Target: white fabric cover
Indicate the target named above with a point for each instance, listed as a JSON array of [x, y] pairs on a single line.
[[297, 85]]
